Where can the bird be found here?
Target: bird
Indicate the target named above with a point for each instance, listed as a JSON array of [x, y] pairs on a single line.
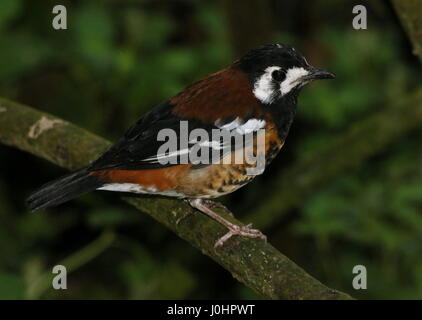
[[252, 101]]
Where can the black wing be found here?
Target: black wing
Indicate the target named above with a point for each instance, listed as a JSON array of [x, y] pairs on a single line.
[[139, 148]]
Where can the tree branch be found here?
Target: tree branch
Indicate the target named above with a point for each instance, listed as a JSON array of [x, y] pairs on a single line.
[[255, 263], [363, 140], [410, 14]]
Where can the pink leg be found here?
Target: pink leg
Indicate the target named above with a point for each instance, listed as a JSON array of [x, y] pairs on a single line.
[[210, 204], [245, 231]]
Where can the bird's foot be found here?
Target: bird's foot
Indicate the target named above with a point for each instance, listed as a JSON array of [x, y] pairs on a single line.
[[245, 231], [210, 204], [184, 215]]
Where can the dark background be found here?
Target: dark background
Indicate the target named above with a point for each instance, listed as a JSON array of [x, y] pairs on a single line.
[[117, 59]]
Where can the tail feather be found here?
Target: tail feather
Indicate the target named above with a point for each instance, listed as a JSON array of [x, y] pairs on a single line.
[[62, 190]]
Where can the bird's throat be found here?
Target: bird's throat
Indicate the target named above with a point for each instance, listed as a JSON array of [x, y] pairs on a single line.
[[283, 113]]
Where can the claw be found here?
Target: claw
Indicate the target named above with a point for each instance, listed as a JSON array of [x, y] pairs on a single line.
[[183, 217], [245, 231]]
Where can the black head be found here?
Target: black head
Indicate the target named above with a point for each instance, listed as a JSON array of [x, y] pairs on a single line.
[[277, 71]]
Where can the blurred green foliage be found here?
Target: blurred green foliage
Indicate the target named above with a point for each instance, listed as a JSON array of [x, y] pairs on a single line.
[[119, 58]]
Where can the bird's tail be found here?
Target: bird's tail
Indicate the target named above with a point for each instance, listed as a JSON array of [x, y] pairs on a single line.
[[62, 190]]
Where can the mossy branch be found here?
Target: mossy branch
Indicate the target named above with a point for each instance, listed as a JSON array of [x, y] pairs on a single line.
[[253, 262], [410, 14]]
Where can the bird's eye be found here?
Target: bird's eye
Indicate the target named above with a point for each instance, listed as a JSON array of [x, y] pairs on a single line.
[[278, 75]]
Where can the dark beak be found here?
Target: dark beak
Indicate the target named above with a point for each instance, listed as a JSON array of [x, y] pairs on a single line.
[[315, 73]]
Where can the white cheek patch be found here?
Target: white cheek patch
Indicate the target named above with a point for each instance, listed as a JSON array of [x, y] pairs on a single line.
[[292, 75], [264, 88]]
